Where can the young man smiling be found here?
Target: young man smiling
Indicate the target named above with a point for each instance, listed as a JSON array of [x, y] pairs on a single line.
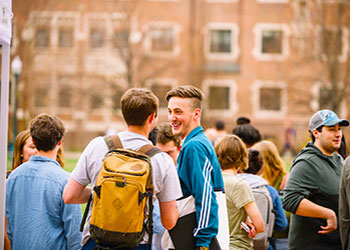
[[198, 167], [312, 190]]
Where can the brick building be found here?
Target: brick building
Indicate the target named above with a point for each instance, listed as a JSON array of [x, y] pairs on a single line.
[[250, 57]]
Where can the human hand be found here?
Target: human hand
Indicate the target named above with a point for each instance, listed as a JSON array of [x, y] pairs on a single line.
[[249, 228], [331, 224]]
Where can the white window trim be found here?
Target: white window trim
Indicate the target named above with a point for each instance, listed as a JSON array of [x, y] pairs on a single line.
[[345, 42], [260, 113], [233, 104], [259, 28], [315, 91], [172, 82], [147, 41], [234, 41]]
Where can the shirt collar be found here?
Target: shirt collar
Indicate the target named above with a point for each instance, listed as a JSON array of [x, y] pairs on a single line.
[[43, 159]]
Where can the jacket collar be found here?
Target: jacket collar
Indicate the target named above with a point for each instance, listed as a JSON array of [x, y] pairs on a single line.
[[193, 133]]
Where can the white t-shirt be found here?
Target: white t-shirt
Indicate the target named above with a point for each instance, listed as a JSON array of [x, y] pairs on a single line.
[[165, 179]]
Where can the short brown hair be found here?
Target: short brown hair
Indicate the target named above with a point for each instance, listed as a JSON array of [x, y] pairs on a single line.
[[137, 105], [46, 131], [165, 134], [188, 91], [231, 152]]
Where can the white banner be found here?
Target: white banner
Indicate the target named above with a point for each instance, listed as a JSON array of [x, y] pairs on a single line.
[[5, 21]]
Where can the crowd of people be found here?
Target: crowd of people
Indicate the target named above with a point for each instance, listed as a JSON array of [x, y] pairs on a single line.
[[235, 186]]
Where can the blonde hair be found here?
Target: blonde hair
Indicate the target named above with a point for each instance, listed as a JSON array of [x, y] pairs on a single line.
[[273, 164], [231, 152]]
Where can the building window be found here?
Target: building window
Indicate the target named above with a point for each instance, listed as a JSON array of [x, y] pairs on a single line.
[[42, 38], [322, 96], [41, 97], [221, 96], [162, 39], [97, 38], [160, 91], [65, 97], [334, 42], [269, 98], [271, 42], [65, 38], [96, 101], [120, 39], [325, 96], [160, 87], [221, 41]]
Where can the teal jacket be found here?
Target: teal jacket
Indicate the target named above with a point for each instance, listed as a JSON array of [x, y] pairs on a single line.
[[316, 177], [200, 176]]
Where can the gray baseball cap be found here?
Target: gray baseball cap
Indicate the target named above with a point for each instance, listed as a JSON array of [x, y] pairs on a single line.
[[326, 117]]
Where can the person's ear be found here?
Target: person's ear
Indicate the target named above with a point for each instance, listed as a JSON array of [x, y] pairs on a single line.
[[197, 114], [316, 133], [59, 143], [151, 117]]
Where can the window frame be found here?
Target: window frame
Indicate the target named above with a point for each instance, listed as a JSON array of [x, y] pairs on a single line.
[[257, 111], [233, 103], [235, 49], [147, 43], [258, 31], [315, 91], [345, 43], [172, 82]]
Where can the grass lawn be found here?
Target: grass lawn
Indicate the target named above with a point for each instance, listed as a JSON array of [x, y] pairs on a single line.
[[70, 165]]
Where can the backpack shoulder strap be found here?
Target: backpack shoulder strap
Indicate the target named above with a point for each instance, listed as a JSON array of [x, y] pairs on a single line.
[[113, 142], [149, 150]]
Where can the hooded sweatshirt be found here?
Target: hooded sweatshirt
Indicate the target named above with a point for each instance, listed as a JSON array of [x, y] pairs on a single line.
[[316, 177]]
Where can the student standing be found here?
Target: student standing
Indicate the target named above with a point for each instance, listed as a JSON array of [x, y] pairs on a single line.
[[140, 111], [37, 216], [198, 167], [312, 190]]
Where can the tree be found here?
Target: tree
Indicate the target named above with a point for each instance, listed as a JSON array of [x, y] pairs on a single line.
[[321, 38]]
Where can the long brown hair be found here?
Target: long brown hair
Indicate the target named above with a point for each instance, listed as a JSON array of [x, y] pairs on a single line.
[[17, 158], [273, 164]]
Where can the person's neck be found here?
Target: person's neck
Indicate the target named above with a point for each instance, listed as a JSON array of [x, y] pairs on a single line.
[[52, 154], [142, 130], [190, 130], [316, 144], [230, 171]]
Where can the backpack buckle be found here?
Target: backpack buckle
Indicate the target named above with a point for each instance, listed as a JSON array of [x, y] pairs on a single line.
[[121, 183]]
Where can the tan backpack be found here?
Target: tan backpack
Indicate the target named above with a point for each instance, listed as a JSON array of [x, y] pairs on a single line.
[[124, 184]]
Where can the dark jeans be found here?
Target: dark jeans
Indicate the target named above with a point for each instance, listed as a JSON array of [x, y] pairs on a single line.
[[90, 244]]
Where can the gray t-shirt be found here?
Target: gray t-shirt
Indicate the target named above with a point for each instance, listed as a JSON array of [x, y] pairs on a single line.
[[165, 179]]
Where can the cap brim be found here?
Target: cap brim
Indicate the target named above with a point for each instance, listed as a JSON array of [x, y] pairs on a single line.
[[341, 122]]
